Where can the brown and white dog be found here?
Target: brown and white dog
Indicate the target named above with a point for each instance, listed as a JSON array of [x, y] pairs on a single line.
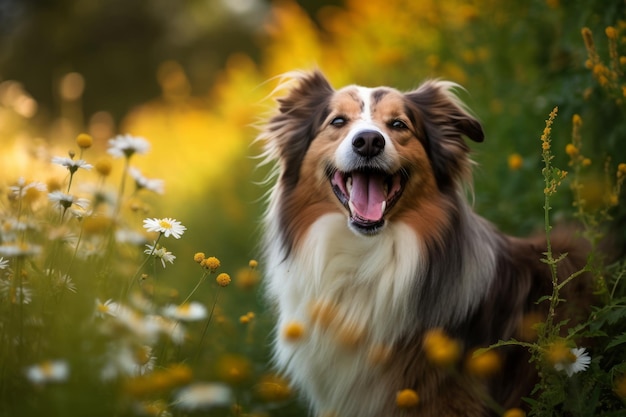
[[370, 242]]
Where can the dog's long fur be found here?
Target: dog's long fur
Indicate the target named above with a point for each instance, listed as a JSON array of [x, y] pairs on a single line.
[[366, 288]]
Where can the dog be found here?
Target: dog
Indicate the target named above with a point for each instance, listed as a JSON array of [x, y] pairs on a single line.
[[370, 243]]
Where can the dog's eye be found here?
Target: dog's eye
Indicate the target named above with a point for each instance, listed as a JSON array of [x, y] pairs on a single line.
[[338, 121], [398, 124]]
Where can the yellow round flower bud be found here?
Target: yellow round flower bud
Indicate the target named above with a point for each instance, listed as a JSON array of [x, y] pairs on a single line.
[[223, 279], [104, 166], [293, 331], [515, 161], [440, 349], [571, 150], [253, 263], [483, 364], [198, 257], [211, 263], [84, 141], [514, 412], [611, 32], [407, 398]]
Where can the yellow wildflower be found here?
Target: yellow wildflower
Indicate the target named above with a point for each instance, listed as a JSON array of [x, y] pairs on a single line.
[[586, 162], [104, 166], [246, 278], [253, 263], [84, 141], [233, 368], [484, 364], [515, 161], [620, 386], [571, 150], [611, 33], [514, 412], [587, 38], [198, 257], [407, 398], [223, 279], [273, 388], [293, 331], [559, 352], [211, 263], [621, 168], [441, 349], [577, 121]]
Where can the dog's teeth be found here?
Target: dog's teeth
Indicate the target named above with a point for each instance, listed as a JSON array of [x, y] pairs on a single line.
[[383, 206], [351, 207], [349, 185]]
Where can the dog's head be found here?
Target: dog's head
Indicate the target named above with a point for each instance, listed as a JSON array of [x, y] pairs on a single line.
[[371, 153]]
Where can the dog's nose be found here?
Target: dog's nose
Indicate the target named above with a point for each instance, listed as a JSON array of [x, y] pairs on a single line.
[[368, 143]]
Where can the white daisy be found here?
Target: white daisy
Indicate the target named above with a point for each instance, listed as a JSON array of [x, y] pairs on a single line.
[[22, 188], [186, 311], [15, 294], [71, 164], [160, 252], [579, 361], [200, 396], [129, 236], [171, 328], [166, 226], [65, 201], [48, 371], [141, 182], [127, 145], [22, 249], [108, 308], [4, 263], [60, 280]]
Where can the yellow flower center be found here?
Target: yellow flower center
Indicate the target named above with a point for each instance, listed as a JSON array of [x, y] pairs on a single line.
[[164, 224], [46, 368], [184, 309]]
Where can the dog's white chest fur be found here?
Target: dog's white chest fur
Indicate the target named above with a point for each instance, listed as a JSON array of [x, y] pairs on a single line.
[[351, 294]]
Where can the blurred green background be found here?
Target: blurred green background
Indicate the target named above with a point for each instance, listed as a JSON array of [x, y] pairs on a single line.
[[193, 77]]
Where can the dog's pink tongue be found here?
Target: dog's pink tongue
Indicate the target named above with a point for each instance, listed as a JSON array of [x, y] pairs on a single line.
[[368, 195]]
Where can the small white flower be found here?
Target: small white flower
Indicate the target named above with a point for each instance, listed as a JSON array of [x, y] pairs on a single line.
[[186, 311], [127, 145], [23, 249], [167, 226], [160, 252], [16, 295], [129, 236], [48, 371], [21, 189], [201, 396], [4, 263], [60, 280], [141, 182], [580, 362], [65, 201], [127, 359], [108, 308], [71, 164], [171, 328]]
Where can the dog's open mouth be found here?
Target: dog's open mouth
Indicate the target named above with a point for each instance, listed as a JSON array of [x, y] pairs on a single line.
[[367, 195]]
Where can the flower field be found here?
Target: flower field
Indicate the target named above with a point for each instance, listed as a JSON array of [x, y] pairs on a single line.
[[130, 277]]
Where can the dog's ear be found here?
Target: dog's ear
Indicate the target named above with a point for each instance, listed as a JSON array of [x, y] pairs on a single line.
[[444, 121], [301, 114]]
